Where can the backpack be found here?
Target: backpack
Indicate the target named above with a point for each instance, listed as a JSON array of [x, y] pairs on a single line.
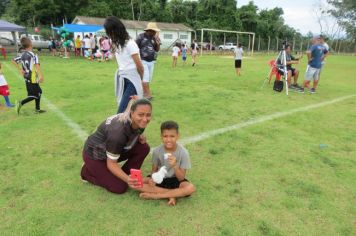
[[278, 85]]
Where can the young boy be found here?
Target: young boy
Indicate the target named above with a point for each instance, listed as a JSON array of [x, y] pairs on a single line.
[[238, 59], [32, 74], [4, 89], [174, 183]]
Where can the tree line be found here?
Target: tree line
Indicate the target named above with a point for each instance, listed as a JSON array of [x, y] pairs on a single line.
[[217, 14]]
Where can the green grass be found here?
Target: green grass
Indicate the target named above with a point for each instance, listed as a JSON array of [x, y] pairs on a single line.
[[271, 178]]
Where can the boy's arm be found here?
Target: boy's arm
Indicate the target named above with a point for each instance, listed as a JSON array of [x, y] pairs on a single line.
[[39, 71], [19, 68], [154, 168], [148, 180], [179, 172]]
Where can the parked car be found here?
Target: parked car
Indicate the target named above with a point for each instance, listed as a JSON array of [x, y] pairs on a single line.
[[8, 44], [38, 42], [228, 46], [206, 46]]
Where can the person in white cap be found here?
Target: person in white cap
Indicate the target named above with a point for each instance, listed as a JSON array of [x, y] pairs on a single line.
[[149, 45]]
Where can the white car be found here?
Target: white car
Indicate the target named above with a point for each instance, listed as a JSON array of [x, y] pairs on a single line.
[[228, 46], [38, 42]]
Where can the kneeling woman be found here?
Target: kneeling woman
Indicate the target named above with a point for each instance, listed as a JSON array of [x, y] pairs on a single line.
[[118, 138]]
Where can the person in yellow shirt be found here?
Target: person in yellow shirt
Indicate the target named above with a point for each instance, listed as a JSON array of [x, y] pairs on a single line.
[[78, 46]]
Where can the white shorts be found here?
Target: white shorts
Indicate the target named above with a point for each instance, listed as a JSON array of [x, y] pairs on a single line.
[[312, 74], [148, 71]]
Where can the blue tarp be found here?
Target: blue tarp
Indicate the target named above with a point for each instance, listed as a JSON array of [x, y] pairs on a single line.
[[80, 28]]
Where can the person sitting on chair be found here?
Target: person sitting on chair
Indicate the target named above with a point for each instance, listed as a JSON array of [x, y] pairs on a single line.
[[291, 72]]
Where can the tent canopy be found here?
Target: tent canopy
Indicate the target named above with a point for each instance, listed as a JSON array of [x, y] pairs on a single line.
[[10, 27], [80, 28]]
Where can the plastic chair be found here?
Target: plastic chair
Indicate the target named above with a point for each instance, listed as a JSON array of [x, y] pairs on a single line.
[[273, 71]]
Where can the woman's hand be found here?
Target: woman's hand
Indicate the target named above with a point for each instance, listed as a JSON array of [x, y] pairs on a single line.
[[133, 183], [142, 139]]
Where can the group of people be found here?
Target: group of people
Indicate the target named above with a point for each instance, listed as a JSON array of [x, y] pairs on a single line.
[[316, 55], [120, 137], [182, 49], [92, 48]]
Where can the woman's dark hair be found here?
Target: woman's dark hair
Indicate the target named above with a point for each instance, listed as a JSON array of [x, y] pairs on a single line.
[[170, 124], [142, 101], [116, 30]]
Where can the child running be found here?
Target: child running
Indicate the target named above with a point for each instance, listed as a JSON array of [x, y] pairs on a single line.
[[184, 54], [175, 54], [32, 74], [174, 183], [4, 89]]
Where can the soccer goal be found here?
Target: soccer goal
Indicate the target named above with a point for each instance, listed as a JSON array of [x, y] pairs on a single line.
[[251, 38]]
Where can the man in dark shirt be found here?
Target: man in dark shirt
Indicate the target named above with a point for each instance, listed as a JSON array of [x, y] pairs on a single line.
[[149, 45], [291, 72]]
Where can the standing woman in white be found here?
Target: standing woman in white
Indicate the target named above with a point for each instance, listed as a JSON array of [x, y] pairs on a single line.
[[128, 78], [238, 59]]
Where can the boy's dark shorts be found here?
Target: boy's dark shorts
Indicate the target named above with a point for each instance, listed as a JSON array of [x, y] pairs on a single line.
[[238, 63], [292, 70], [171, 183], [33, 90]]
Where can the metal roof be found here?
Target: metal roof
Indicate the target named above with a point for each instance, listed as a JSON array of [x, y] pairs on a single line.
[[130, 24]]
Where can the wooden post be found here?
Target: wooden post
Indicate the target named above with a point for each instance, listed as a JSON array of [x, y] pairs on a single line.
[[259, 42], [269, 41], [201, 42]]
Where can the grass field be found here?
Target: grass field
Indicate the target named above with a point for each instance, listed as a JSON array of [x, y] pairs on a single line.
[[292, 174]]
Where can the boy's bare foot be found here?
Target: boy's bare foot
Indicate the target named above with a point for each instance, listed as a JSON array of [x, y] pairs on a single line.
[[172, 202], [149, 196]]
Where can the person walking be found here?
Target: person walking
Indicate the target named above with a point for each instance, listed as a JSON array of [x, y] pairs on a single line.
[[128, 77], [149, 45]]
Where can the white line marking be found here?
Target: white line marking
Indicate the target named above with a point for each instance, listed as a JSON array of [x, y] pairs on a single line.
[[69, 122], [258, 120]]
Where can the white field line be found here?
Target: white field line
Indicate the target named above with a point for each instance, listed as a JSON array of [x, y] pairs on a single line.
[[258, 120], [69, 122]]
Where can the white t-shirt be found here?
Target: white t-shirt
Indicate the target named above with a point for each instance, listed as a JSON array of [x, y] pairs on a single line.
[[124, 56], [86, 43], [2, 80], [238, 53], [176, 51]]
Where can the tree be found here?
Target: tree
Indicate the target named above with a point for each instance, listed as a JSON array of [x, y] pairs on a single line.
[[345, 13], [248, 16], [3, 5], [96, 8]]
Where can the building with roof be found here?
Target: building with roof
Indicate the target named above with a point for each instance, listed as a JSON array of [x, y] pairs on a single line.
[[170, 32]]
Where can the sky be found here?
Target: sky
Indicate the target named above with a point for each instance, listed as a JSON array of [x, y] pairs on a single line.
[[297, 14]]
